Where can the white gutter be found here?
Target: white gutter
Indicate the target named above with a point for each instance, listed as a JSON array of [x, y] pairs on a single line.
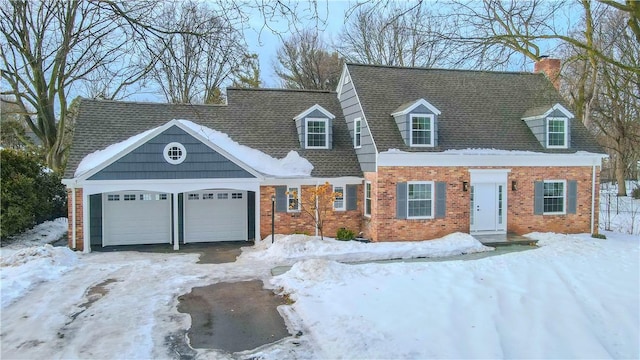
[[593, 198], [73, 218]]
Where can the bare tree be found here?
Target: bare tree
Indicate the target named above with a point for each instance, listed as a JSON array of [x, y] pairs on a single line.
[[304, 62], [203, 56], [51, 46], [396, 35]]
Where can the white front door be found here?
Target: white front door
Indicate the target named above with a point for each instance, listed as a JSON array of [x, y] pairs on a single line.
[[487, 207]]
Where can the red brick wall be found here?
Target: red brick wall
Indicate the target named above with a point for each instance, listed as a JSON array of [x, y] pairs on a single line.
[[79, 220], [303, 223], [520, 217]]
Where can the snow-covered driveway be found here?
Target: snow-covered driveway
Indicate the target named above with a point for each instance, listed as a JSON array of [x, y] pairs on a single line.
[[575, 297]]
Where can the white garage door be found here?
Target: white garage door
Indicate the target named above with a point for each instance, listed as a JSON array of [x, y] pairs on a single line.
[[215, 215], [136, 217]]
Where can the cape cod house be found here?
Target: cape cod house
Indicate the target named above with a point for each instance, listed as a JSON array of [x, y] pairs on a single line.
[[416, 154]]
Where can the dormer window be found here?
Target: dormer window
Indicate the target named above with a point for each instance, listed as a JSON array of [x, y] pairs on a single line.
[[317, 134], [557, 132], [418, 123], [314, 127], [422, 129]]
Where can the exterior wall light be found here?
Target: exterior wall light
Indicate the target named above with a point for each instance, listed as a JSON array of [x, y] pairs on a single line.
[[514, 185], [465, 186]]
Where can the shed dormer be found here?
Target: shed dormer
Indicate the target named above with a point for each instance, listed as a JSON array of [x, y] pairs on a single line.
[[315, 128], [418, 123], [551, 125]]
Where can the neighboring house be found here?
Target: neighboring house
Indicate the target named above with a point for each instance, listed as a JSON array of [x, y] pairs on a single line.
[[415, 153]]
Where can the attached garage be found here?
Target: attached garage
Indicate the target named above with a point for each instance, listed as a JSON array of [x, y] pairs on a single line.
[[215, 215], [136, 217]]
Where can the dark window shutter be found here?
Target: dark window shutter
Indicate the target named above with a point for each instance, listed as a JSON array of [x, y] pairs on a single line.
[[352, 197], [572, 196], [281, 199], [441, 199], [538, 197], [401, 200]]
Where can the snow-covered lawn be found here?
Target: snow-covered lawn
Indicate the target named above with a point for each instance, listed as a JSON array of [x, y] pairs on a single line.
[[574, 297]]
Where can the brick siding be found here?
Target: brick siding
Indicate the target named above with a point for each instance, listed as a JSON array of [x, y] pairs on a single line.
[[302, 223], [79, 219]]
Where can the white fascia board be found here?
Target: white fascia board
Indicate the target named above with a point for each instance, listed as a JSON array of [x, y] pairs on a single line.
[[533, 159], [124, 151], [312, 109], [158, 131], [345, 72], [344, 180], [557, 106], [168, 185], [219, 150], [416, 104]]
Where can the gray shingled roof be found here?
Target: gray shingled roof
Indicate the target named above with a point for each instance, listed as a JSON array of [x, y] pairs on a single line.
[[260, 119], [480, 109]]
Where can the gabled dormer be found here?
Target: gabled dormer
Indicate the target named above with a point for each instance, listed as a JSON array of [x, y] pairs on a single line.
[[418, 123], [551, 125], [315, 128]]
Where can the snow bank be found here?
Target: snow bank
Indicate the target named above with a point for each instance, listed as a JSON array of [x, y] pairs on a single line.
[[292, 165], [27, 267], [45, 233], [291, 248], [575, 297]]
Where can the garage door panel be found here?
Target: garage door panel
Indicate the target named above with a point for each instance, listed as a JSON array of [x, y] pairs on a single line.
[[215, 215], [136, 217]]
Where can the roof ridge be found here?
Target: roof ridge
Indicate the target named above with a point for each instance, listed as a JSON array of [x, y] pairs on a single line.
[[281, 90], [83, 99], [418, 68]]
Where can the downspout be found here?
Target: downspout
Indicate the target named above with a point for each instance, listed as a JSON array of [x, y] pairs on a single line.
[[593, 197], [73, 218]]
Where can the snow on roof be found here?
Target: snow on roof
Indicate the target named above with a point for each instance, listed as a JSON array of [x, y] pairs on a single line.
[[292, 165]]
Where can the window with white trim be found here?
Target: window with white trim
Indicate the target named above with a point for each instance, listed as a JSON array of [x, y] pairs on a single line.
[[421, 129], [338, 202], [357, 133], [554, 197], [367, 198], [557, 132], [112, 197], [293, 198], [317, 133], [174, 153], [419, 200]]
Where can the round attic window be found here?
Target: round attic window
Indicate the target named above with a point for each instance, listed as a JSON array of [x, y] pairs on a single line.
[[174, 153]]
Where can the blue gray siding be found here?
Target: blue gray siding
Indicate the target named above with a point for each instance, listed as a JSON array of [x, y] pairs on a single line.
[[302, 129], [404, 124], [95, 219], [352, 110], [539, 128], [147, 161]]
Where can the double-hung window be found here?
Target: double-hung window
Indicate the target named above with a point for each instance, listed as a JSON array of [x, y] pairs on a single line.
[[557, 132], [420, 200], [357, 131], [422, 130], [367, 198], [338, 201], [293, 198], [317, 133], [554, 197]]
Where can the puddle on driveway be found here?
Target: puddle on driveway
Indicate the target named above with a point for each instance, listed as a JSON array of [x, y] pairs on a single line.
[[233, 316]]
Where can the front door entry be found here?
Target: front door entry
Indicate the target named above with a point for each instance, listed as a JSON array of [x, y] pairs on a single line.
[[487, 207]]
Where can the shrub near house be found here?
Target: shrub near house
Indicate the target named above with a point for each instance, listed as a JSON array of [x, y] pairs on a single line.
[[30, 192]]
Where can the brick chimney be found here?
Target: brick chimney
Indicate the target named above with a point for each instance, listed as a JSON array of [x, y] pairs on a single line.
[[551, 68]]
